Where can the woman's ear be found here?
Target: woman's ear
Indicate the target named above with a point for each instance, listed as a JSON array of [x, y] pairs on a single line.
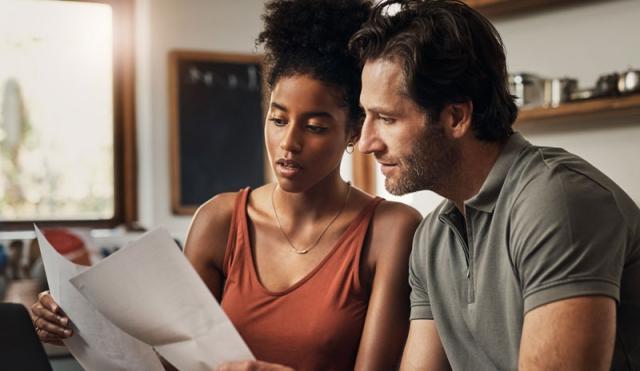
[[354, 132]]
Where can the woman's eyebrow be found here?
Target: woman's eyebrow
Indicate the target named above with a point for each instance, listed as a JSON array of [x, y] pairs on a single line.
[[319, 114], [279, 106], [314, 114]]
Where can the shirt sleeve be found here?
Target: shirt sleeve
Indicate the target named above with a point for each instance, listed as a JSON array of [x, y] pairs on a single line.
[[568, 239], [419, 297]]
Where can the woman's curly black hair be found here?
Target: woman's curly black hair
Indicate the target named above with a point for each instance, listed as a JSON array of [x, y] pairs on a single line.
[[311, 37]]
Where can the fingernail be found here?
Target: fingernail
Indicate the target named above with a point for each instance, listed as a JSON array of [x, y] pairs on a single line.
[[67, 332], [63, 321]]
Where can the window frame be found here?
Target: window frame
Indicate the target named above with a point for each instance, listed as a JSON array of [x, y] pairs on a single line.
[[124, 129]]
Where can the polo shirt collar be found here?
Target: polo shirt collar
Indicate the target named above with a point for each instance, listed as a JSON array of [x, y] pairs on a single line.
[[485, 199]]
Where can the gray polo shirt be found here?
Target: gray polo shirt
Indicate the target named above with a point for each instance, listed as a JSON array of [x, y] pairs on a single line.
[[545, 226]]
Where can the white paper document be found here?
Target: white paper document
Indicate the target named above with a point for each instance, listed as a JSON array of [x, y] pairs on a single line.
[[152, 292], [97, 343]]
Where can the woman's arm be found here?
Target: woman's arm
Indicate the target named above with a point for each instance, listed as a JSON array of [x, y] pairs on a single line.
[[387, 321], [207, 239], [206, 243]]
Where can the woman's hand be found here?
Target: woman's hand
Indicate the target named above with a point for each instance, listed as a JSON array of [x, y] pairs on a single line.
[[252, 366], [51, 324]]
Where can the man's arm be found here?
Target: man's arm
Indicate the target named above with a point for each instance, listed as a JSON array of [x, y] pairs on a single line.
[[570, 334], [568, 239], [423, 350]]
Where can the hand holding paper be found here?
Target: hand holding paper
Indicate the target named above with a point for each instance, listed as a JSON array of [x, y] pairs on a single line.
[[97, 344], [150, 290]]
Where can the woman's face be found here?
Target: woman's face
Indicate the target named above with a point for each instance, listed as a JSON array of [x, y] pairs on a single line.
[[306, 132]]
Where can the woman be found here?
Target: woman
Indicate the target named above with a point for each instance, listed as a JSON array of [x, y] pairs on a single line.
[[311, 271]]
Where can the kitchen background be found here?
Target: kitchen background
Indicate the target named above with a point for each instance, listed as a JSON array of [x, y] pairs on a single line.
[[582, 40]]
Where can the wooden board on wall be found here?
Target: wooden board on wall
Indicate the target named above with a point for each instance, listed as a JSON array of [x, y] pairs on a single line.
[[216, 126], [500, 8]]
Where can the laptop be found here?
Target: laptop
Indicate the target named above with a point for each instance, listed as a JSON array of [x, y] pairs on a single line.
[[20, 348]]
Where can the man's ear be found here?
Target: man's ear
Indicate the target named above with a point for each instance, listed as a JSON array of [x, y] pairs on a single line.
[[457, 118]]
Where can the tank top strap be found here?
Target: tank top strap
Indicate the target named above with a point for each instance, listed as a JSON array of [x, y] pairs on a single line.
[[235, 227], [357, 237], [364, 219]]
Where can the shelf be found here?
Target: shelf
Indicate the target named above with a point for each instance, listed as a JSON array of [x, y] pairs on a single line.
[[496, 8], [600, 108]]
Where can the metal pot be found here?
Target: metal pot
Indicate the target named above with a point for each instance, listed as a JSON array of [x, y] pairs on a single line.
[[557, 91], [607, 85], [527, 88], [629, 81]]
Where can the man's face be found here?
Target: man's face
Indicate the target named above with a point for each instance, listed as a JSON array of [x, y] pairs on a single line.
[[413, 152]]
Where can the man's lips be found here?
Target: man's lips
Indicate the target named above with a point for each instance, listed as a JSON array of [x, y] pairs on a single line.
[[386, 166], [386, 162]]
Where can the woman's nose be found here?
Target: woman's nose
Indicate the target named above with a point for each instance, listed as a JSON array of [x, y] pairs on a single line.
[[291, 141]]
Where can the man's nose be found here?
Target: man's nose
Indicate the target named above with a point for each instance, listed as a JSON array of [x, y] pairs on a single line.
[[370, 141]]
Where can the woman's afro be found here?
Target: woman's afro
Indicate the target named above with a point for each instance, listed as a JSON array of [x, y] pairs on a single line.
[[311, 37]]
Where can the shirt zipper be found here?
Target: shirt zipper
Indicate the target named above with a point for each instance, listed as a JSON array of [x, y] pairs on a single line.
[[465, 247]]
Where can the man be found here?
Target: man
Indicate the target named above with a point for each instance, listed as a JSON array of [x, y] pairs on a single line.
[[533, 260]]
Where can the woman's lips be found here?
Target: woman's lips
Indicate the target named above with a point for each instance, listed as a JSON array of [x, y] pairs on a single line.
[[288, 168]]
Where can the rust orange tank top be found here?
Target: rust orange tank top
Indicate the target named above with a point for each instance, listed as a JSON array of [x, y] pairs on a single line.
[[316, 324]]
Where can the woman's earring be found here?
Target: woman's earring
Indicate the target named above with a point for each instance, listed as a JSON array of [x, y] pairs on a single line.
[[350, 147]]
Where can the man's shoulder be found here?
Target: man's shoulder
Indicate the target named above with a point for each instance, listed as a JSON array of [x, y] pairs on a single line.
[[542, 174], [537, 162], [551, 185]]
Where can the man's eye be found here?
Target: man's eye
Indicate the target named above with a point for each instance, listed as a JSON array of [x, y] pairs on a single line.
[[316, 129], [277, 121], [385, 119]]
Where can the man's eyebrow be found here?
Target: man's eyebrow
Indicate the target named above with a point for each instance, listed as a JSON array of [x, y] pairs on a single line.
[[380, 110]]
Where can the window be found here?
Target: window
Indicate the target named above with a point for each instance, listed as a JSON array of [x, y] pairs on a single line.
[[67, 143]]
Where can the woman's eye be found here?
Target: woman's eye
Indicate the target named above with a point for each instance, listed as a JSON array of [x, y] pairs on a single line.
[[316, 129], [277, 121]]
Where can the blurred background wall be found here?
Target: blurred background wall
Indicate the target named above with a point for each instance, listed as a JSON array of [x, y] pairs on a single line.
[[583, 40]]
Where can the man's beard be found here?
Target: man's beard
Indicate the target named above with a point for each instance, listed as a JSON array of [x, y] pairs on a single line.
[[428, 166]]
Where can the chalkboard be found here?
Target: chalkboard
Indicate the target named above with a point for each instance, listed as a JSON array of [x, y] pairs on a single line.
[[216, 126]]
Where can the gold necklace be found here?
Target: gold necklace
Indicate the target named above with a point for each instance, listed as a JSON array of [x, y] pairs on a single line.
[[304, 251]]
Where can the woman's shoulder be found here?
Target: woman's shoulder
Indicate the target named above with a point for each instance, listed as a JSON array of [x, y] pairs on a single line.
[[391, 231], [218, 208], [211, 222], [389, 237], [209, 229], [397, 214], [387, 212], [222, 205]]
